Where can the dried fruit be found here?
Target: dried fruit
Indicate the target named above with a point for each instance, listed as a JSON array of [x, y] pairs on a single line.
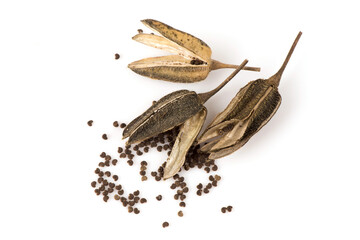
[[192, 62], [251, 108], [170, 111]]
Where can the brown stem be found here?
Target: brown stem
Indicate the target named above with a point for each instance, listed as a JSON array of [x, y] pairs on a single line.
[[205, 96], [275, 79], [217, 65]]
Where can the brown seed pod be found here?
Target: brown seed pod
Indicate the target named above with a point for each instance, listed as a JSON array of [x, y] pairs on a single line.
[[251, 108], [192, 62]]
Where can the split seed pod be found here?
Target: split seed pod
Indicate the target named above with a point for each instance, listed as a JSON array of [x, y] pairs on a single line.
[[192, 62], [170, 111], [251, 108]]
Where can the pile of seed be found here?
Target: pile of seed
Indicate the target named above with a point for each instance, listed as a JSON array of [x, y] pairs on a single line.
[[107, 185]]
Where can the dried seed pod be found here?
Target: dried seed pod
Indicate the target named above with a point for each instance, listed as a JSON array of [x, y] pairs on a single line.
[[170, 111], [192, 62], [251, 108]]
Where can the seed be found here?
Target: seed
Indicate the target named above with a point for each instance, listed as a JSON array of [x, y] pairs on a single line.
[[143, 200], [153, 174], [110, 190], [217, 178], [173, 186], [223, 209], [106, 198], [214, 168], [214, 183], [182, 185], [102, 188], [199, 186], [122, 155], [130, 162], [107, 157], [125, 203], [136, 211], [179, 192], [97, 191], [127, 151], [103, 154], [144, 178], [120, 149], [90, 123], [93, 184], [159, 197], [97, 170], [198, 192], [206, 190], [116, 197], [104, 136], [130, 209], [144, 163], [105, 182], [111, 185], [107, 173], [176, 196], [182, 204], [121, 192], [206, 169], [122, 199], [142, 173], [131, 196], [186, 189], [139, 153], [157, 178], [165, 224], [117, 56], [153, 144], [211, 178], [229, 208], [107, 163], [180, 213], [209, 185], [182, 197], [143, 168], [122, 125], [116, 124], [159, 148], [118, 187], [146, 149], [101, 164], [136, 193], [114, 162], [140, 31]]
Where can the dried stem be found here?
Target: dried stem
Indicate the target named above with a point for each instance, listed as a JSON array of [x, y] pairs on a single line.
[[205, 96], [275, 79], [217, 65]]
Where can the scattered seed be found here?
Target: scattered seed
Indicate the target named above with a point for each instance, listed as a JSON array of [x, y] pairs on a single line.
[[101, 164], [144, 178], [130, 162], [182, 204], [104, 136], [214, 168], [114, 162], [118, 187], [229, 208], [121, 192], [136, 211], [90, 123], [117, 56], [159, 197], [198, 192], [217, 178], [199, 186], [223, 209], [206, 190], [107, 163], [165, 224], [131, 196], [143, 200], [122, 125], [106, 198], [140, 31], [122, 155], [130, 209], [93, 184], [120, 149], [107, 173], [116, 124], [116, 197], [180, 213], [103, 155]]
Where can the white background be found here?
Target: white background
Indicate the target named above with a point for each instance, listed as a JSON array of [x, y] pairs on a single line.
[[298, 178]]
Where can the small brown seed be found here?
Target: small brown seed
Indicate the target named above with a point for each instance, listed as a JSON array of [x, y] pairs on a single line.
[[165, 224], [159, 148], [107, 157], [144, 178], [97, 171], [114, 162], [101, 164], [214, 168], [108, 174], [143, 200], [122, 125], [122, 155], [130, 162], [159, 197], [100, 180], [101, 174], [186, 189], [111, 185], [121, 192], [146, 149], [90, 123], [106, 198], [107, 163], [103, 154], [214, 183], [142, 173], [207, 169], [104, 136], [206, 190], [118, 187], [199, 186], [116, 197], [120, 149], [97, 191], [211, 178], [157, 178], [173, 186], [136, 211], [130, 209], [116, 124], [182, 197], [229, 208], [176, 196], [110, 190], [139, 153], [182, 204], [117, 56], [153, 174], [180, 213], [223, 209], [140, 31], [93, 184], [131, 196], [199, 192], [136, 193], [217, 178]]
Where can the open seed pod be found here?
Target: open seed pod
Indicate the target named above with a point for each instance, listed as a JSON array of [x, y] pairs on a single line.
[[192, 62], [251, 108]]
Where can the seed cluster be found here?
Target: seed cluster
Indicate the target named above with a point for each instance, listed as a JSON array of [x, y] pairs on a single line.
[[107, 185]]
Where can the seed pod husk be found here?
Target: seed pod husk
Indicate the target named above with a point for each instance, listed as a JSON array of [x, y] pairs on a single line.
[[251, 108], [192, 62], [187, 135], [170, 111]]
